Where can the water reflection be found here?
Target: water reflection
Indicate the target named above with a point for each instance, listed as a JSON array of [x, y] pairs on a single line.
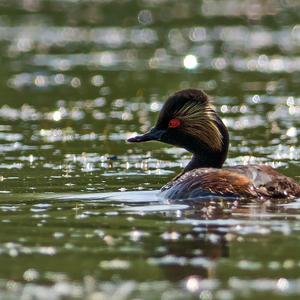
[[184, 247]]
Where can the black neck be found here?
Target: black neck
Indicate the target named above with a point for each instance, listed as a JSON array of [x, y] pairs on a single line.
[[203, 157], [201, 161]]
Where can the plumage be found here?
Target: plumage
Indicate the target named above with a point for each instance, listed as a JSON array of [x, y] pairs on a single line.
[[252, 181], [188, 120]]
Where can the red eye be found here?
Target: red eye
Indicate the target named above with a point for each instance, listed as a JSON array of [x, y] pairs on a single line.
[[174, 123]]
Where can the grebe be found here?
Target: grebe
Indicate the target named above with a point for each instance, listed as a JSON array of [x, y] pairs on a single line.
[[188, 120]]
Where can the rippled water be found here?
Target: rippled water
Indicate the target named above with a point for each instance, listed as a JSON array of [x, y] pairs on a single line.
[[80, 218]]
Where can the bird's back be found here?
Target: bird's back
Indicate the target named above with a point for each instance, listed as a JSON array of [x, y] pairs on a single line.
[[252, 181]]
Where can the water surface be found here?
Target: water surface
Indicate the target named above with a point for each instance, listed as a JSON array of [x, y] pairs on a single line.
[[80, 216]]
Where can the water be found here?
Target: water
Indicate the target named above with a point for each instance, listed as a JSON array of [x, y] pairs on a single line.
[[80, 218]]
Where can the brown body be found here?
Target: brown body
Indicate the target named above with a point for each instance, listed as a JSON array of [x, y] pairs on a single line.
[[252, 181]]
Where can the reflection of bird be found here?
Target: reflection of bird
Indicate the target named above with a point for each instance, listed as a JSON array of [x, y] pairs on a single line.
[[188, 120]]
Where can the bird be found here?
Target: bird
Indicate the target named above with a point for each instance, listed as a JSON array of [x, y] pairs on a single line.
[[188, 120]]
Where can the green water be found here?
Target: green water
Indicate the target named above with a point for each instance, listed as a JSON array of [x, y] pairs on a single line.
[[78, 208]]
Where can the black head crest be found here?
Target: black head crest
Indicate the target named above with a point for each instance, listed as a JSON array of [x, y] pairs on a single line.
[[198, 118]]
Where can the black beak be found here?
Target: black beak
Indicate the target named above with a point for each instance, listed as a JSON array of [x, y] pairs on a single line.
[[152, 135]]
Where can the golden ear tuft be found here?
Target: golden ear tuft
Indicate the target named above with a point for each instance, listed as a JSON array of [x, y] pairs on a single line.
[[198, 119]]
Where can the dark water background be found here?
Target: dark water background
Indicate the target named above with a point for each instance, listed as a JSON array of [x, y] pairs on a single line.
[[78, 212]]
